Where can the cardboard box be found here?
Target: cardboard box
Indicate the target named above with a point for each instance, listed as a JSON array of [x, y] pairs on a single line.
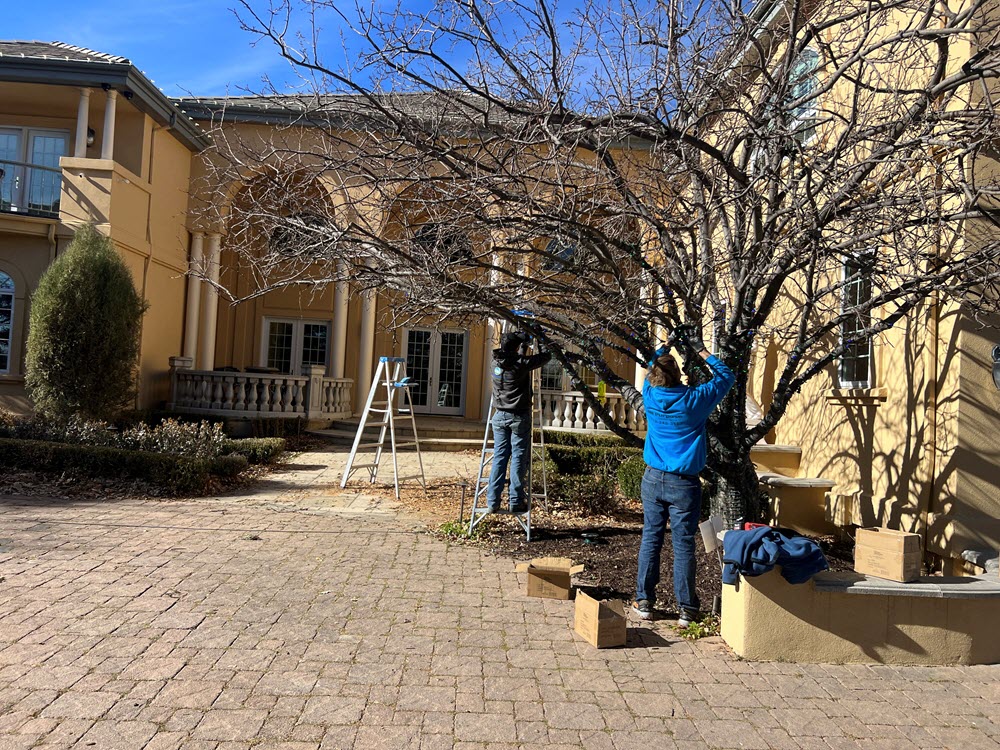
[[600, 623], [550, 577], [885, 553]]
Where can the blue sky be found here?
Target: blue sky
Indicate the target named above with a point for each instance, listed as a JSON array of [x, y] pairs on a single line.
[[185, 46]]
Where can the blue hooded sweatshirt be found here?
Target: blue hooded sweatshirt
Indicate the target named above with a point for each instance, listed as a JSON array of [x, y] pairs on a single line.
[[676, 416]]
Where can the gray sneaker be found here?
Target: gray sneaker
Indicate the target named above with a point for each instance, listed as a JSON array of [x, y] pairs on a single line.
[[687, 617], [643, 608]]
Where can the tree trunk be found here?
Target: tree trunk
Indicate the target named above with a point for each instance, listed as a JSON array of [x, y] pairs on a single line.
[[733, 490]]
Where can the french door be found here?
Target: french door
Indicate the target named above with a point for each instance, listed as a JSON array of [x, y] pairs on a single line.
[[291, 345], [34, 189], [436, 362]]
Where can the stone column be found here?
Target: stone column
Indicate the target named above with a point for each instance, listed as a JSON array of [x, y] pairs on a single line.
[[367, 353], [108, 138], [340, 312], [176, 365], [82, 124], [489, 343], [314, 396], [210, 303], [193, 309]]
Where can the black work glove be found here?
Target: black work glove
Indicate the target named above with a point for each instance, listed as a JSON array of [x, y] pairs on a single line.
[[687, 335]]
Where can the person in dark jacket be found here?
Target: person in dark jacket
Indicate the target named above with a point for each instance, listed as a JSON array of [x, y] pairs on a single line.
[[675, 453], [512, 367]]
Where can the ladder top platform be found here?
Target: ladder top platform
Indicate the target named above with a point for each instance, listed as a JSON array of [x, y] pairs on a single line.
[[392, 359]]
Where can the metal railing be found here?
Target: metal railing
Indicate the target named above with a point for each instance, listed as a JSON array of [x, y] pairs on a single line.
[[29, 189]]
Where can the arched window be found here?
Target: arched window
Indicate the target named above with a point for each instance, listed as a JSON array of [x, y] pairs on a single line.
[[304, 235], [6, 320], [450, 243]]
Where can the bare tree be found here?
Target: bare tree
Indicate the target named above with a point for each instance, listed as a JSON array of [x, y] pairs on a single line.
[[622, 168]]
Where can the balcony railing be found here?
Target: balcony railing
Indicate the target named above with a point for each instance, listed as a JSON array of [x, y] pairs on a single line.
[[568, 410], [29, 189], [239, 394]]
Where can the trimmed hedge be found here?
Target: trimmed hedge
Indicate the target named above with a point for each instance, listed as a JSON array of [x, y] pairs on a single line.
[[255, 450], [176, 473], [228, 466], [630, 477], [583, 439], [589, 460]]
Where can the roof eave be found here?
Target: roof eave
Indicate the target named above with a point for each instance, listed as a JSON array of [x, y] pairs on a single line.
[[96, 74]]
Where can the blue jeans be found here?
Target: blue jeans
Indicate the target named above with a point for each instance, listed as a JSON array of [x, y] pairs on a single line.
[[511, 444], [679, 497]]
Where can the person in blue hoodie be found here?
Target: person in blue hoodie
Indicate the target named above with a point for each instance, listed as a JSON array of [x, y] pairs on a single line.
[[675, 453]]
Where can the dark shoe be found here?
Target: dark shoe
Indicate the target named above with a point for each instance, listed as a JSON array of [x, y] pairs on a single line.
[[687, 617], [643, 608], [492, 508], [519, 508]]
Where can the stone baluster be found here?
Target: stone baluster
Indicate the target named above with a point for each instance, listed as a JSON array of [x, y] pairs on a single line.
[[179, 367], [590, 422], [227, 393], [239, 393], [567, 411], [578, 418]]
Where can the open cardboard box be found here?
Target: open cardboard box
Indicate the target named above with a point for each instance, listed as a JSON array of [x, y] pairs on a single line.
[[600, 623], [550, 577]]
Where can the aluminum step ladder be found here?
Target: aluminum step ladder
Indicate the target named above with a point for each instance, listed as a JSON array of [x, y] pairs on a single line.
[[480, 510], [391, 375]]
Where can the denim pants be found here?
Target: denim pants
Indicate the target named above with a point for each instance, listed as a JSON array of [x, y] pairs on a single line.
[[678, 497], [511, 444]]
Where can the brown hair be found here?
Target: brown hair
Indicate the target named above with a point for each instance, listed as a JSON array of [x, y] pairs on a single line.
[[665, 372]]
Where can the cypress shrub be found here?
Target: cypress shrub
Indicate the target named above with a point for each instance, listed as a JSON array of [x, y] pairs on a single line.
[[630, 477], [83, 336]]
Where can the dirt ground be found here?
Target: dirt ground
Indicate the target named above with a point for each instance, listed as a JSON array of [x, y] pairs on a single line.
[[611, 561]]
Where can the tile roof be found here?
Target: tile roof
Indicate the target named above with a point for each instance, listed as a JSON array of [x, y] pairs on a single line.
[[57, 51]]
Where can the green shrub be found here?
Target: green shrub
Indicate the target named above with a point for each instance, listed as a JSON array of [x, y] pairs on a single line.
[[583, 439], [83, 332], [202, 440], [588, 494], [177, 474], [630, 477], [256, 450], [228, 466], [536, 475], [589, 460]]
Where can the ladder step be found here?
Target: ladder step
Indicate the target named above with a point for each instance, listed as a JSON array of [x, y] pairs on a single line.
[[355, 467], [410, 476], [365, 446]]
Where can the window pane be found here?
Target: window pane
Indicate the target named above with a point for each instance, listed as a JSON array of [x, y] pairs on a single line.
[[314, 343], [6, 320], [552, 376], [452, 370], [418, 365], [10, 150], [279, 346], [855, 363], [44, 186]]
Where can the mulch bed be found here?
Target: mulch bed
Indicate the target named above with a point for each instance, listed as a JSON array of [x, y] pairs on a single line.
[[611, 563]]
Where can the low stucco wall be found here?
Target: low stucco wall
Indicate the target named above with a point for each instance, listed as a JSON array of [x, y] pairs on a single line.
[[765, 618]]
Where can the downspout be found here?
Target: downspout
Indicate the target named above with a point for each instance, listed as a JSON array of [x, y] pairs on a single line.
[[52, 243]]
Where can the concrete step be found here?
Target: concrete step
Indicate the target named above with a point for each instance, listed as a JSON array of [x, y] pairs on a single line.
[[777, 459]]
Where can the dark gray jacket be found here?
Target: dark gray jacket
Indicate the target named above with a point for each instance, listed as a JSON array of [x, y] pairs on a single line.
[[512, 379]]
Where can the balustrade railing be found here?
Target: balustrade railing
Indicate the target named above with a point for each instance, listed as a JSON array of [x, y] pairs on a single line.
[[569, 410], [259, 395]]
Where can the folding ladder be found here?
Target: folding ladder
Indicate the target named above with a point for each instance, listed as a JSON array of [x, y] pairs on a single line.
[[479, 502], [396, 384]]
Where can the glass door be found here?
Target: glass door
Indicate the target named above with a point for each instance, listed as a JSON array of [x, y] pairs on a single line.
[[43, 185], [290, 346], [11, 176], [436, 363]]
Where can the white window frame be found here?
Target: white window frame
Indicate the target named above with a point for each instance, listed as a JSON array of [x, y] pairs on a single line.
[[12, 291], [811, 110], [21, 193], [566, 385], [869, 382], [434, 385], [298, 331]]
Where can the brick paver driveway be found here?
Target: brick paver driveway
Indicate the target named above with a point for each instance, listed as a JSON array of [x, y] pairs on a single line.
[[231, 624]]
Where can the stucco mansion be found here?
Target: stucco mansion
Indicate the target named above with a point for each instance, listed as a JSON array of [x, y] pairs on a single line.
[[85, 136]]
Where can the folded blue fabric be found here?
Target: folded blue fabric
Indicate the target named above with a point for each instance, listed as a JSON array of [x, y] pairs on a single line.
[[755, 552]]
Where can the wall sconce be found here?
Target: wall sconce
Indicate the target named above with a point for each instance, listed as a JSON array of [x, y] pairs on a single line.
[[91, 135], [996, 366]]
